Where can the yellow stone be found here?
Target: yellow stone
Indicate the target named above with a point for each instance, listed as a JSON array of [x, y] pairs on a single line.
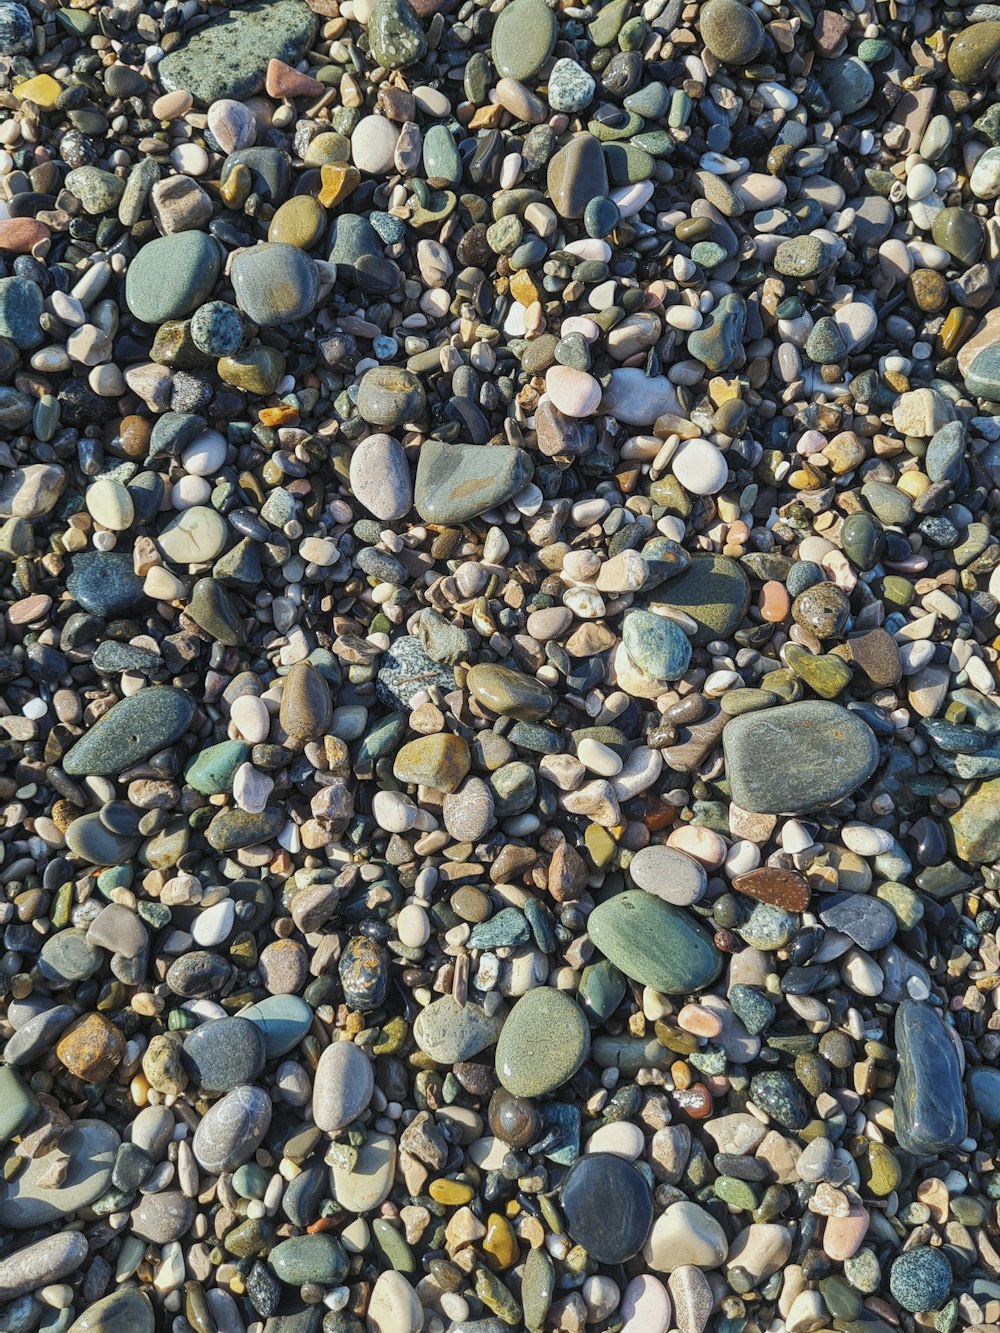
[[235, 189], [450, 1192], [500, 1243], [42, 90], [721, 390], [299, 221], [339, 180], [913, 483], [522, 288]]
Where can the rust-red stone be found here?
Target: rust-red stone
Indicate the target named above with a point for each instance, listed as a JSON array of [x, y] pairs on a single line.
[[780, 888]]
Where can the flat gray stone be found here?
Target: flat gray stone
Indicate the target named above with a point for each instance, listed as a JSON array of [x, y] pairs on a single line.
[[91, 1146], [228, 58]]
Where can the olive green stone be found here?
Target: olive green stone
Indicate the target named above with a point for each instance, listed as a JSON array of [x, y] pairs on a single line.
[[509, 693], [654, 943], [974, 51], [826, 674], [439, 761], [880, 1170], [731, 31], [127, 1310], [714, 592], [300, 222], [960, 233], [524, 36], [543, 1043], [862, 540]]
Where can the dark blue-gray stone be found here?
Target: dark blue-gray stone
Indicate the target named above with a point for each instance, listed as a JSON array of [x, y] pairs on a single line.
[[608, 1207], [104, 582], [222, 1054], [929, 1105], [17, 36], [868, 921], [943, 461], [984, 1093], [21, 310]]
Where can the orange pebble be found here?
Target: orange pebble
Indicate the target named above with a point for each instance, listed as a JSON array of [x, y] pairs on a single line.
[[284, 415], [774, 602], [695, 1102]]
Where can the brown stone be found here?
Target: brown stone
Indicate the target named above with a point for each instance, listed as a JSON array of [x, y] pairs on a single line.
[[18, 236], [567, 873], [282, 80], [780, 888], [92, 1048], [877, 654]]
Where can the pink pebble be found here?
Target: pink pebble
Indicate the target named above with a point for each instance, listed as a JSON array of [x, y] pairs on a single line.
[[842, 1236], [573, 392], [580, 324], [645, 1306], [704, 844]]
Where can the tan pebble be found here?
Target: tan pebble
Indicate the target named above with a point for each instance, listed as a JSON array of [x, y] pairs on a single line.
[[694, 1018], [171, 106]]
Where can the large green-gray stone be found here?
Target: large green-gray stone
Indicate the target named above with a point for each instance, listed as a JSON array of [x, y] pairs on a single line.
[[523, 38], [654, 943], [228, 57], [544, 1042], [301, 1259], [131, 731], [456, 482], [127, 1310], [714, 592], [799, 757], [172, 276]]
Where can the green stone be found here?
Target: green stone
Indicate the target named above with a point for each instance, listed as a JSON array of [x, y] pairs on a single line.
[[862, 540], [131, 731], [654, 943], [456, 482], [172, 275], [771, 757], [228, 57], [234, 828], [601, 990], [826, 674], [395, 37], [960, 233], [509, 693], [18, 1104], [731, 31], [524, 36], [212, 771], [319, 1258], [544, 1041], [738, 1194], [714, 591], [604, 29], [127, 1310], [974, 51]]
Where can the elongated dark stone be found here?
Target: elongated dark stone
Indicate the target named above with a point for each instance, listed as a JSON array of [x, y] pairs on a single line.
[[929, 1104]]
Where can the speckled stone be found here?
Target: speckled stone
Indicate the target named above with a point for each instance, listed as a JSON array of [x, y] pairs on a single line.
[[544, 1042]]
